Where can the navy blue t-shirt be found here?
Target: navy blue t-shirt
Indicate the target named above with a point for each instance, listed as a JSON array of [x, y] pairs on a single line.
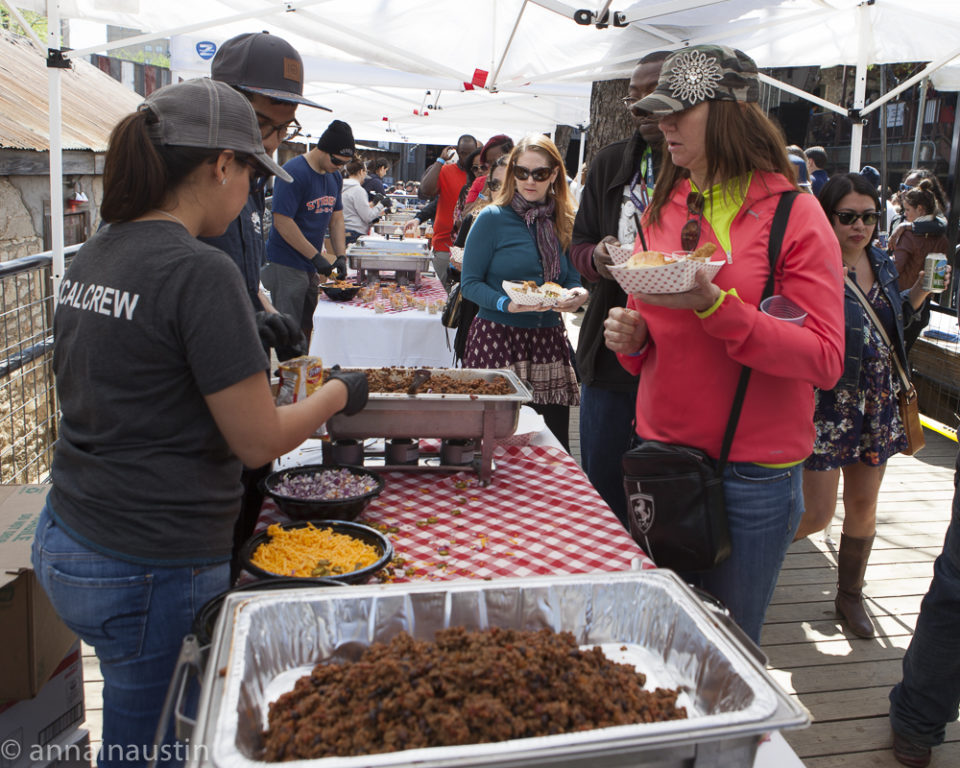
[[243, 242], [310, 200]]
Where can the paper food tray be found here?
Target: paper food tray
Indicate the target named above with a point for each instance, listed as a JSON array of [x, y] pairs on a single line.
[[512, 289], [677, 277]]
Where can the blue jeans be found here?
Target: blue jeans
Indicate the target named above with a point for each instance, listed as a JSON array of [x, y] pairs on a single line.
[[135, 617], [606, 433], [764, 507], [928, 696]]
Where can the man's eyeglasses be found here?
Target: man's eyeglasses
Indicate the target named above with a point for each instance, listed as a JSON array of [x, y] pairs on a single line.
[[539, 174], [846, 218], [285, 131], [338, 161], [494, 185], [690, 233]]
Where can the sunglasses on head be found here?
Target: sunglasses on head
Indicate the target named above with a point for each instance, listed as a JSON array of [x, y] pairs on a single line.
[[846, 218], [690, 233], [905, 187], [539, 174], [494, 185]]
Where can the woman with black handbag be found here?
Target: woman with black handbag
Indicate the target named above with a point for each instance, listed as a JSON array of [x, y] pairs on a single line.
[[858, 422], [724, 173]]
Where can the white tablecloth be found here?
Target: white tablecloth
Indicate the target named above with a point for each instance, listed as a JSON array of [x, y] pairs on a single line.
[[350, 335]]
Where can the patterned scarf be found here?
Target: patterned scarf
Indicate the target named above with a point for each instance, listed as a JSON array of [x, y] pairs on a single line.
[[541, 215]]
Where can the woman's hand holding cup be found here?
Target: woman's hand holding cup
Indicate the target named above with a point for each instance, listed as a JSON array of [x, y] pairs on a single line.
[[624, 331]]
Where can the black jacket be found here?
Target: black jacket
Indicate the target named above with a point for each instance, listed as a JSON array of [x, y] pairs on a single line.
[[597, 217]]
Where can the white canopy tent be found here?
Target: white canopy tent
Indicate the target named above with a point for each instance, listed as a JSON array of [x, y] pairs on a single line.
[[489, 63]]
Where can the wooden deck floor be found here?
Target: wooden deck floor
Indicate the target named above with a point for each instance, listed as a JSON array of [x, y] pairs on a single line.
[[842, 680]]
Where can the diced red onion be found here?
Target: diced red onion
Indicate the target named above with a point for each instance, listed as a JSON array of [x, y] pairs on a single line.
[[325, 484]]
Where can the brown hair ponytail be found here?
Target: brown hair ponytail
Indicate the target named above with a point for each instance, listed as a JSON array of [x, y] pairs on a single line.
[[137, 174]]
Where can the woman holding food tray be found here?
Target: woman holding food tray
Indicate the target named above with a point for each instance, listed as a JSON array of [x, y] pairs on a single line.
[[523, 240], [723, 175], [160, 374]]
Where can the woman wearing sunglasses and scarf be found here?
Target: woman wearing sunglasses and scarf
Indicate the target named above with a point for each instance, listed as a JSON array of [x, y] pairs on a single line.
[[525, 236], [722, 178], [858, 421]]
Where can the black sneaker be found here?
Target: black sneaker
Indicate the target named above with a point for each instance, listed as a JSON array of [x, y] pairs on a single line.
[[910, 753]]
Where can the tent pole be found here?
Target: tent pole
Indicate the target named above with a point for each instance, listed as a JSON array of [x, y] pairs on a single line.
[[859, 89], [884, 224], [56, 146], [918, 133], [953, 194], [583, 144]]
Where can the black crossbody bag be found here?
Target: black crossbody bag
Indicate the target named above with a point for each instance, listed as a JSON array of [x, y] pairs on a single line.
[[675, 492]]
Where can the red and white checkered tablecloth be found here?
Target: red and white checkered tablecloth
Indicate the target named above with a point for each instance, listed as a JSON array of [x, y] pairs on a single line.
[[431, 290], [538, 516]]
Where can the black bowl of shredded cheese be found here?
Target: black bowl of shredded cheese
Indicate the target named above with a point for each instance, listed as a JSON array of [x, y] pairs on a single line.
[[345, 552], [321, 492]]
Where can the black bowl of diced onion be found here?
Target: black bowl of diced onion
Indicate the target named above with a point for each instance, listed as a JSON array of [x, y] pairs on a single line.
[[322, 492]]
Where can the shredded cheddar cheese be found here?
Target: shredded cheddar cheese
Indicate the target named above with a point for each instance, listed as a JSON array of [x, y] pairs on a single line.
[[312, 551]]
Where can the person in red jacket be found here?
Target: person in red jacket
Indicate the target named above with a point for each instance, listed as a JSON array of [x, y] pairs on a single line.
[[444, 180], [689, 348]]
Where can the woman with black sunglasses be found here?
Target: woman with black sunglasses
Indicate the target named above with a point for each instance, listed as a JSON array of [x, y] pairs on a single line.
[[724, 172], [858, 421], [525, 236]]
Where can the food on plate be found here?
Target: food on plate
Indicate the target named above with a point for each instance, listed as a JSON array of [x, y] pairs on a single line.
[[551, 290], [312, 551], [399, 380], [528, 286], [300, 377], [703, 253], [325, 484], [464, 687], [648, 259]]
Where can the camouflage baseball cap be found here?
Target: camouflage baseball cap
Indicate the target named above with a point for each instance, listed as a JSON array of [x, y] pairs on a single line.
[[701, 73]]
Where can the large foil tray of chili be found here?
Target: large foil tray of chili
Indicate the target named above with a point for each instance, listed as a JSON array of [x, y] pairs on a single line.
[[265, 642], [452, 403]]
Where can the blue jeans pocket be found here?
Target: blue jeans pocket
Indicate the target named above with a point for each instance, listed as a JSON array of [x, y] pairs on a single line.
[[107, 612], [754, 473]]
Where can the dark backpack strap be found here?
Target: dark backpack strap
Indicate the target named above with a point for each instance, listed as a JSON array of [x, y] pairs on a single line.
[[777, 230]]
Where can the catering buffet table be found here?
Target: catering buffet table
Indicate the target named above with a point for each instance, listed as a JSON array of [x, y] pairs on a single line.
[[355, 333]]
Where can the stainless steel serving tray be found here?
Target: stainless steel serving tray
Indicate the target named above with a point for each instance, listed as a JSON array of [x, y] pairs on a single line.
[[378, 244], [264, 641], [390, 414], [388, 262]]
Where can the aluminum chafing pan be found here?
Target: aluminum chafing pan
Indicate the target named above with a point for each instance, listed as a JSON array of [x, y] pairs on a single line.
[[391, 414], [264, 642], [378, 244], [385, 261]]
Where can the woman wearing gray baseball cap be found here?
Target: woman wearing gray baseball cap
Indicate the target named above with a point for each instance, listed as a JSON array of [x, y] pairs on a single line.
[[160, 374], [724, 172]]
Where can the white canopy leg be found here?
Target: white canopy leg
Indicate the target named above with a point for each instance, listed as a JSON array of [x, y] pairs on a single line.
[[860, 88], [56, 146]]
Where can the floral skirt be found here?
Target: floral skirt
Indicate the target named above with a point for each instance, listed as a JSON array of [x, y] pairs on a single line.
[[861, 424], [539, 356]]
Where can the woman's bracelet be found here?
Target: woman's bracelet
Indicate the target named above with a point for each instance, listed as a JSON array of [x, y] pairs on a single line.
[[502, 303]]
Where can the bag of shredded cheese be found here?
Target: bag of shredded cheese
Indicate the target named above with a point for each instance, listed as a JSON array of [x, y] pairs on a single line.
[[300, 377]]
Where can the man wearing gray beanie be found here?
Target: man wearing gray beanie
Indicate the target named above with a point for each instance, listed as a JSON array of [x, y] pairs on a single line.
[[304, 211]]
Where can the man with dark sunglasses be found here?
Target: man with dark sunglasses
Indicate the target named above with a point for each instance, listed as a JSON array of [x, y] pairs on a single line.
[[305, 211], [614, 195]]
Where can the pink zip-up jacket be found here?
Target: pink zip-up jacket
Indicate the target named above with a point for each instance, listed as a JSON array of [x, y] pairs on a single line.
[[690, 366]]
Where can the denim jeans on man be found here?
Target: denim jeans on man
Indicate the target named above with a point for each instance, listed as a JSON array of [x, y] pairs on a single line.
[[606, 433], [927, 698], [135, 617], [764, 506]]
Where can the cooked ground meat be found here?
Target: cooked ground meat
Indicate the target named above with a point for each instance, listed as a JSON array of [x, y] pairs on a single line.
[[463, 688], [399, 379]]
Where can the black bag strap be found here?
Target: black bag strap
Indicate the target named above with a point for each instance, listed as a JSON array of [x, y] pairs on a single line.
[[777, 230]]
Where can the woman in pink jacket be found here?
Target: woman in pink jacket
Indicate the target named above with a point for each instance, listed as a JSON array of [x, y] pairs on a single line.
[[723, 174]]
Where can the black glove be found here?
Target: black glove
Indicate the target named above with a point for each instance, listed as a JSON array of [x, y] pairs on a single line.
[[282, 333], [356, 383], [341, 266], [323, 266]]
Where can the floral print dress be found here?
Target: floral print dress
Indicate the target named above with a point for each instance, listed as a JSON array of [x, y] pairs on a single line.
[[862, 424]]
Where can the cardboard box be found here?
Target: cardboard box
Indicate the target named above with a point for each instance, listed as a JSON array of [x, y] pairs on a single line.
[[33, 638], [30, 725], [70, 751]]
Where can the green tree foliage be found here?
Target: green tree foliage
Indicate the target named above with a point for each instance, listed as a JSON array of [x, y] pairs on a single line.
[[37, 22]]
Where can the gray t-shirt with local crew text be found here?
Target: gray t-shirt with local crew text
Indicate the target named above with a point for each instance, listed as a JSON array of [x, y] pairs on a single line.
[[148, 321]]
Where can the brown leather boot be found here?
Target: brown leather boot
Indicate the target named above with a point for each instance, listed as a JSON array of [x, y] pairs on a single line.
[[851, 566]]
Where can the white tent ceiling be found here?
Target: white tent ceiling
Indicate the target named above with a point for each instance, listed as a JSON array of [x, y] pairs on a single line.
[[522, 52]]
